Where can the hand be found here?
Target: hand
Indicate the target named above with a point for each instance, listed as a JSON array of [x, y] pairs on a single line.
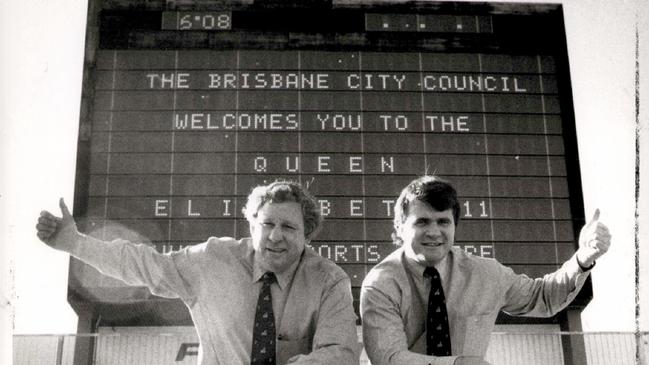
[[594, 241], [470, 360], [60, 233]]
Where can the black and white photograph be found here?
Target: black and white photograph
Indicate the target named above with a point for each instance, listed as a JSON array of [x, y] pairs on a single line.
[[333, 182]]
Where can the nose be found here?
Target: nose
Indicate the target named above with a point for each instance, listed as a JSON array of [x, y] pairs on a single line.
[[275, 234], [433, 230]]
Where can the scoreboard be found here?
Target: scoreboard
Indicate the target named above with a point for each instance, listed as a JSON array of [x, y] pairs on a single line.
[[188, 105]]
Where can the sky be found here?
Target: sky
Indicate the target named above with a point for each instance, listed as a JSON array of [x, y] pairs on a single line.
[[41, 59]]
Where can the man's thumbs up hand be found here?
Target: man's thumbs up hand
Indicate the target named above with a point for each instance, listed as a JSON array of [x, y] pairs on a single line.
[[594, 241], [58, 232]]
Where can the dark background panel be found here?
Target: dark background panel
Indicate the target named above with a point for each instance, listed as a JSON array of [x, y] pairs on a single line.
[[525, 145], [207, 59], [199, 185], [319, 142], [526, 166], [509, 63], [131, 142], [551, 104], [197, 163], [334, 185], [129, 185], [204, 142], [391, 101], [333, 101], [135, 59], [523, 123], [134, 100], [533, 231], [550, 85], [138, 163], [533, 187], [454, 165], [385, 185], [390, 61], [517, 253], [510, 103], [393, 143], [456, 143], [268, 142], [268, 60], [450, 62], [204, 100], [132, 121], [530, 209], [267, 100], [441, 102], [355, 272], [343, 230], [318, 60]]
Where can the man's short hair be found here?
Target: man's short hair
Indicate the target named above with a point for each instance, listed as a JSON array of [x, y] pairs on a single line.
[[430, 189], [282, 191]]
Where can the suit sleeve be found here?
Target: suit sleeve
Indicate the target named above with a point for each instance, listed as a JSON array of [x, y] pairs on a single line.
[[543, 297], [384, 335], [166, 275]]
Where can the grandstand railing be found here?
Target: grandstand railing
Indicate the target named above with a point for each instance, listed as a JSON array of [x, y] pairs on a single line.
[[601, 348]]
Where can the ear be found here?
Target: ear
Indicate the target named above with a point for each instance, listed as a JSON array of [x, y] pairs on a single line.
[[398, 230], [396, 239], [252, 226]]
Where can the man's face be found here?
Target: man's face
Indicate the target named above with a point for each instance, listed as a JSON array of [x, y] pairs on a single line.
[[427, 234], [278, 235]]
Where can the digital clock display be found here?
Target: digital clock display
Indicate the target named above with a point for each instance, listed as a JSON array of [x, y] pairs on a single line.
[[196, 20]]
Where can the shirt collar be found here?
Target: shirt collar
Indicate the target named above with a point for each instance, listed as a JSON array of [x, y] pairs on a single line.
[[283, 278], [417, 269]]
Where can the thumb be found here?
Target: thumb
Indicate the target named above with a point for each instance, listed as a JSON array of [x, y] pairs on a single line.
[[64, 210], [595, 218]]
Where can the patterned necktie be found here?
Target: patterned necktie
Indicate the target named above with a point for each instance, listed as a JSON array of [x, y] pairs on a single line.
[[263, 333], [438, 340]]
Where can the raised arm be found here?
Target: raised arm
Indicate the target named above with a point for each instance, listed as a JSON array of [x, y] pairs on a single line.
[[135, 264], [548, 295]]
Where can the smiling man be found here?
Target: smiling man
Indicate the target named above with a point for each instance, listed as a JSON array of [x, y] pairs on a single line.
[[431, 303], [266, 299]]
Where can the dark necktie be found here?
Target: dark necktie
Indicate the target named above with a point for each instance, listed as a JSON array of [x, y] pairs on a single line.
[[263, 333], [438, 340]]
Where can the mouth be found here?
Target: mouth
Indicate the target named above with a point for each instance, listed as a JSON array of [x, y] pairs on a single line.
[[275, 250], [432, 244]]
